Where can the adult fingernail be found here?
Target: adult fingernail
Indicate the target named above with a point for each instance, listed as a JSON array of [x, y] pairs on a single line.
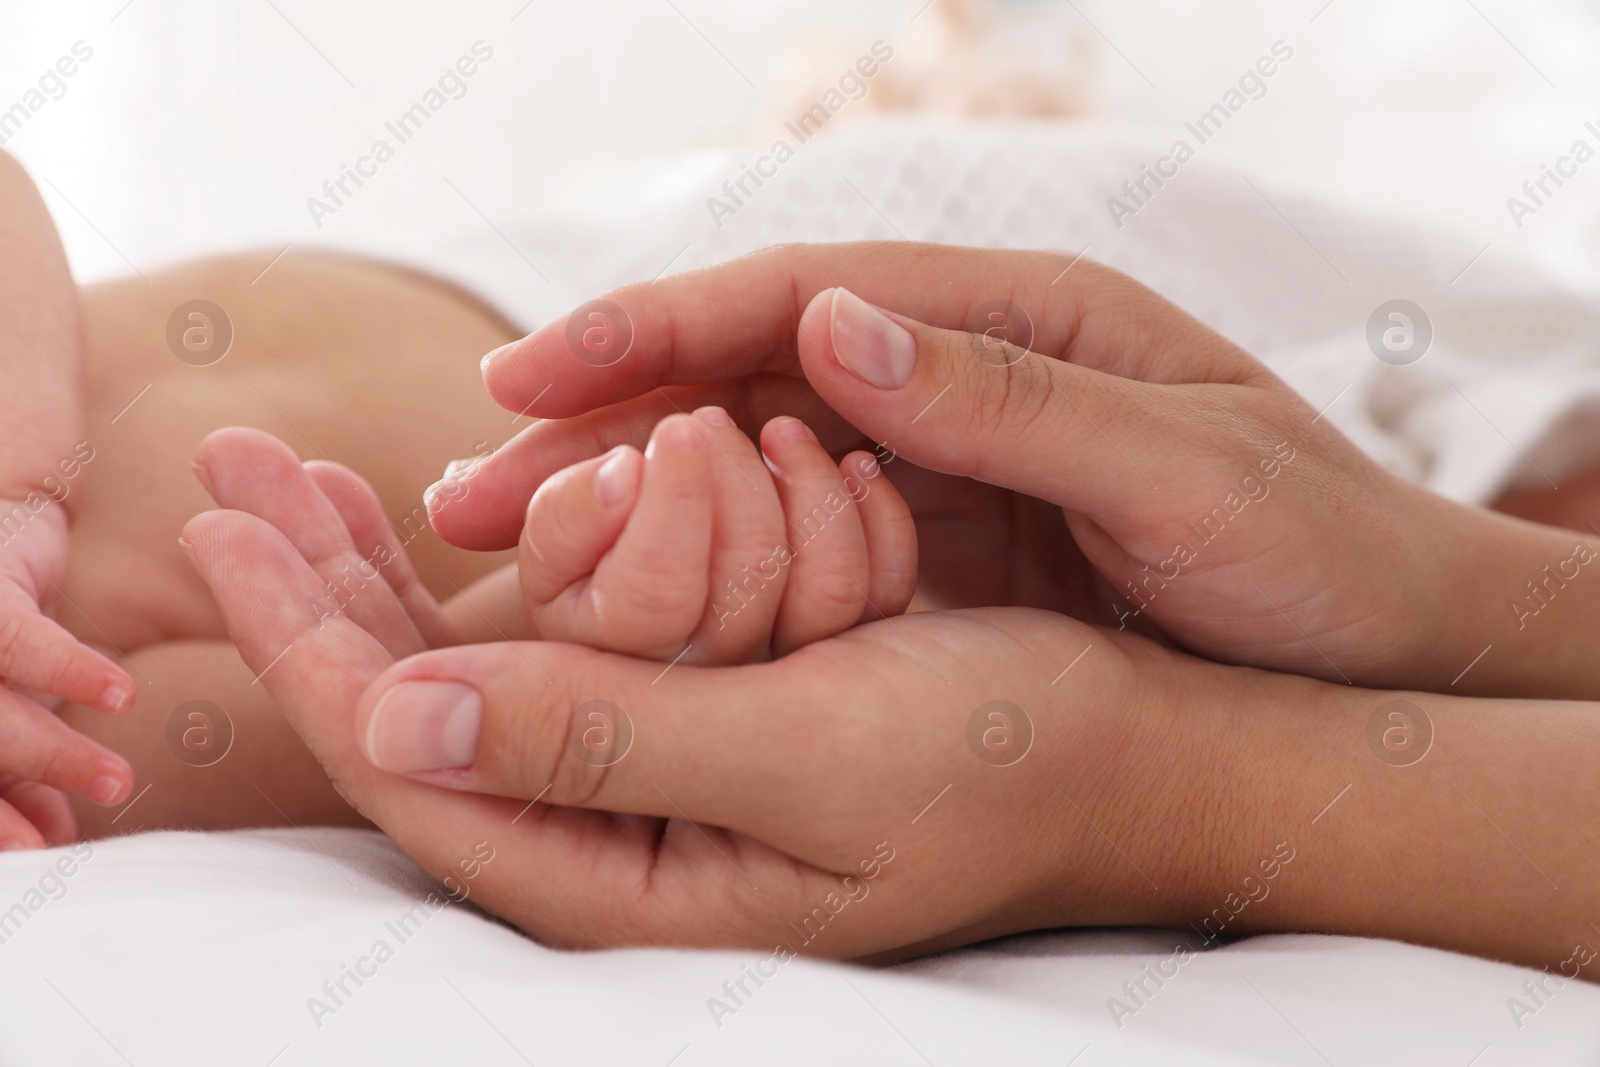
[[617, 478], [105, 790], [425, 726], [869, 344]]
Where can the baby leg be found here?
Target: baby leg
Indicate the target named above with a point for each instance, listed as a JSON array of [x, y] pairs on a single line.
[[349, 360], [209, 748]]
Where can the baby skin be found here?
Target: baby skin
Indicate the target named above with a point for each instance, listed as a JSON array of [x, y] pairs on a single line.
[[125, 705], [703, 548], [324, 348]]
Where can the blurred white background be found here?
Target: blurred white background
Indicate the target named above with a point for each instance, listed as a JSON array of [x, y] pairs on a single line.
[[206, 125]]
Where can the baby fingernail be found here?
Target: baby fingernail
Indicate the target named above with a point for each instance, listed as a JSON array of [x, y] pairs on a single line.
[[679, 434], [12, 846], [204, 477], [793, 430], [425, 726], [105, 790], [483, 364], [431, 495], [714, 416], [116, 698], [617, 478], [869, 344]]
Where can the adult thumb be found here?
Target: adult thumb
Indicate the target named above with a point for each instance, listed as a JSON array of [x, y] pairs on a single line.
[[980, 406]]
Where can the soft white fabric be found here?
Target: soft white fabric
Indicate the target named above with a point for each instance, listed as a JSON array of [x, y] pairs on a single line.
[[205, 949], [1507, 394], [199, 949]]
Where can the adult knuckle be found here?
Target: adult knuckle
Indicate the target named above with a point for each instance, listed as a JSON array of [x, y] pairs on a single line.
[[576, 776], [1030, 398], [1014, 399], [526, 746]]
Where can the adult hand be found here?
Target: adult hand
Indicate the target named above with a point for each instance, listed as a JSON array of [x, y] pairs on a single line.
[[1212, 499], [864, 796], [748, 797]]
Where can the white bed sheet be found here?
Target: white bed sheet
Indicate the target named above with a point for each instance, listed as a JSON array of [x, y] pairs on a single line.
[[1507, 393], [177, 948]]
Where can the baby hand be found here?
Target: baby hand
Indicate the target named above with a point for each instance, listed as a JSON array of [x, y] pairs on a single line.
[[698, 549], [37, 655]]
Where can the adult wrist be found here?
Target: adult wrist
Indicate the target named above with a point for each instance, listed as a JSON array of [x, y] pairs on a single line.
[[1517, 610], [1438, 820], [1203, 748], [1253, 740]]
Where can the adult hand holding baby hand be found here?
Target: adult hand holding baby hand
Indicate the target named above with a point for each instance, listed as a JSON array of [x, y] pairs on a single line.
[[975, 771], [721, 804], [1215, 503], [907, 785]]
